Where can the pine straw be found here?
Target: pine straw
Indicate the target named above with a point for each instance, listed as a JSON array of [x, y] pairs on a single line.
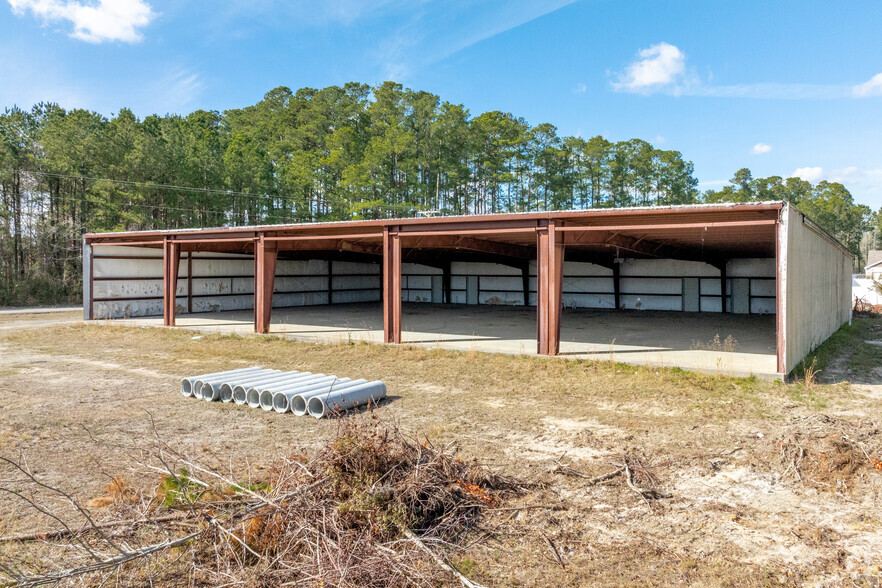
[[366, 490], [827, 453]]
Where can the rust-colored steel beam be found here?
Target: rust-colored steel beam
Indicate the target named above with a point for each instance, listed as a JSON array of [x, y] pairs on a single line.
[[359, 247], [171, 255], [669, 226], [549, 285], [265, 255], [391, 285], [468, 244], [321, 236]]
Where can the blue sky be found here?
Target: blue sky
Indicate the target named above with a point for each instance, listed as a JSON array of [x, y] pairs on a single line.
[[783, 87]]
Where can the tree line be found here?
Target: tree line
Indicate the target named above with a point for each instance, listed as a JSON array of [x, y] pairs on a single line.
[[337, 153]]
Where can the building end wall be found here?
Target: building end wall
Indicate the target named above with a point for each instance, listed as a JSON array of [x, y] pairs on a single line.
[[817, 286]]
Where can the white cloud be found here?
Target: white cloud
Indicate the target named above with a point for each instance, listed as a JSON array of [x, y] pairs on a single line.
[[867, 180], [94, 22], [809, 174], [580, 89], [872, 87], [661, 65], [761, 148]]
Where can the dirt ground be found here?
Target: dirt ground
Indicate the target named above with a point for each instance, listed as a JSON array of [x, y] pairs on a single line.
[[755, 483]]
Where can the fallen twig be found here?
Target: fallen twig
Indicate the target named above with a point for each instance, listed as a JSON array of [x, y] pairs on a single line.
[[442, 563], [61, 533], [554, 551]]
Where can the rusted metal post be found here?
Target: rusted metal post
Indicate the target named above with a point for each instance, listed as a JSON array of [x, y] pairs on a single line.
[[617, 284], [190, 282], [265, 255], [171, 254], [446, 279], [391, 285], [550, 250]]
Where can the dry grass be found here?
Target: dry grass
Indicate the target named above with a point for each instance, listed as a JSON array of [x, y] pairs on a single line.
[[710, 443]]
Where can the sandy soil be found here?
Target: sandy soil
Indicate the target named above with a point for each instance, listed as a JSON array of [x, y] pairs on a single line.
[[759, 483]]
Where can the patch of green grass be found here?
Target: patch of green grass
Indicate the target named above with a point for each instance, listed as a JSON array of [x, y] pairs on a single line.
[[850, 344]]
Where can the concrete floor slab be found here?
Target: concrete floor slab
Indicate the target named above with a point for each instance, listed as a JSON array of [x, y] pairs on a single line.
[[691, 341]]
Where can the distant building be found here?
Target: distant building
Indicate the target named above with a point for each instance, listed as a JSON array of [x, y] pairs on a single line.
[[873, 268]]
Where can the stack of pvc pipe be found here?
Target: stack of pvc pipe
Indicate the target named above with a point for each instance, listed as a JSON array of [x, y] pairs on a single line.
[[299, 392]]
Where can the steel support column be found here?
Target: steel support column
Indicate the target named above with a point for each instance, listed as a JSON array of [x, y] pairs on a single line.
[[265, 255], [617, 283], [391, 285], [171, 255], [550, 254], [446, 279]]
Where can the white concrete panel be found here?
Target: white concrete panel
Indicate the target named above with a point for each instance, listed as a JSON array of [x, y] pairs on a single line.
[[363, 281], [132, 308], [711, 304], [300, 299], [357, 296], [762, 306], [352, 267], [417, 269], [437, 289], [299, 284], [503, 298], [130, 268], [604, 284], [216, 303], [573, 268], [302, 267], [482, 269], [457, 282], [458, 297], [762, 287], [99, 250], [651, 285], [739, 301], [416, 282], [133, 288], [667, 267], [203, 286], [495, 283], [751, 267], [691, 302], [588, 300], [632, 302], [222, 267]]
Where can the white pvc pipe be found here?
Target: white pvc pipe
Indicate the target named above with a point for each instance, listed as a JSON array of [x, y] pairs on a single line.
[[253, 398], [187, 383], [321, 406], [200, 383], [279, 400], [242, 394], [226, 388], [297, 403], [228, 391], [211, 389]]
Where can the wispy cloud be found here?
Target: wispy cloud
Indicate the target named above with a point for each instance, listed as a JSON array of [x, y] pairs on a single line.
[[761, 148], [178, 90], [440, 29], [872, 87], [106, 20], [868, 180], [662, 69], [580, 89]]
